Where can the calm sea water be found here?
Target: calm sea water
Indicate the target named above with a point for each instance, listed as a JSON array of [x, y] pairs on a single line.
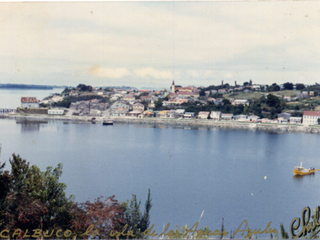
[[230, 174]]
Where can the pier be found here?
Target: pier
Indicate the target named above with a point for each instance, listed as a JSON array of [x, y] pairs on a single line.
[[6, 110]]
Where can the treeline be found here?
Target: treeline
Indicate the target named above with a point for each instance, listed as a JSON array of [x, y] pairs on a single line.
[[36, 200], [66, 102]]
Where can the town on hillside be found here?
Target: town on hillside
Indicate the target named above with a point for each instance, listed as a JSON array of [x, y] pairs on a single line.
[[249, 102]]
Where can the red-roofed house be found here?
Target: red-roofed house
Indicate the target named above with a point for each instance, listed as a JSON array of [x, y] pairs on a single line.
[[129, 97], [188, 94], [138, 107], [29, 102], [145, 90], [310, 117]]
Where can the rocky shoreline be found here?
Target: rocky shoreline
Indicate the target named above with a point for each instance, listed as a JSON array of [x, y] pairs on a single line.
[[172, 122]]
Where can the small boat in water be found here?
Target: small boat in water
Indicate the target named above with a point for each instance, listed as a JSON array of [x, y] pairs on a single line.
[[108, 122], [303, 171]]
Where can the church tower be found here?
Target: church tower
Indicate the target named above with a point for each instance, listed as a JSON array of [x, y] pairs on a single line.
[[173, 88]]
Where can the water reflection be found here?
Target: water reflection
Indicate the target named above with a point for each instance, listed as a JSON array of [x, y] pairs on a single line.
[[27, 126], [301, 177]]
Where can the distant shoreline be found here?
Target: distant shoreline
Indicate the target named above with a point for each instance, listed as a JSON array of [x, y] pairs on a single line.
[[28, 86], [172, 122]]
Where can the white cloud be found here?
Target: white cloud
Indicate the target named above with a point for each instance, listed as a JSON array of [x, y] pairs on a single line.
[[153, 73], [193, 73], [101, 72], [228, 75], [208, 73], [235, 40]]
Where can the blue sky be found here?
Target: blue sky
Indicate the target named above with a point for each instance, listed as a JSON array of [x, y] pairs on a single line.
[[147, 44]]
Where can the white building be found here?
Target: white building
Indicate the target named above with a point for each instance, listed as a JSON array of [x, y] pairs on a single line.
[[310, 117], [244, 102], [227, 116], [215, 115], [241, 118], [55, 111], [295, 120], [29, 102], [203, 115], [188, 115]]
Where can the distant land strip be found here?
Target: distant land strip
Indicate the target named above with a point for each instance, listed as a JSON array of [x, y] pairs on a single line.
[[28, 86]]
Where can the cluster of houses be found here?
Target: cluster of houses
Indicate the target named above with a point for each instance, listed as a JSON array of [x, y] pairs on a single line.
[[141, 104], [218, 116], [90, 108], [120, 109]]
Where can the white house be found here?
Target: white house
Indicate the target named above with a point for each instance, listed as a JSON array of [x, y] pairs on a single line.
[[138, 107], [253, 118], [241, 118], [203, 115], [310, 117], [29, 102], [55, 111], [188, 115], [244, 102], [295, 120], [227, 116], [215, 115]]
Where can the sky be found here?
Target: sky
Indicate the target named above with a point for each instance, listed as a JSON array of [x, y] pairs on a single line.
[[149, 44]]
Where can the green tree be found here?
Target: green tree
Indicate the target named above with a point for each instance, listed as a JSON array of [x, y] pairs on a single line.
[[274, 87], [37, 192], [46, 187], [65, 91], [84, 88], [288, 86], [158, 103], [222, 229], [5, 185], [145, 221], [272, 100], [284, 234], [136, 221], [226, 101], [202, 92], [145, 104], [300, 86], [66, 102]]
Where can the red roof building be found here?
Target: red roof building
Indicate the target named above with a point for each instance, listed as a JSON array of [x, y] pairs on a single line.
[[311, 113], [145, 90], [29, 100], [311, 117]]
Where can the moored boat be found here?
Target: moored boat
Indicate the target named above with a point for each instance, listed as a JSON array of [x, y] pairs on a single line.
[[109, 122], [303, 171]]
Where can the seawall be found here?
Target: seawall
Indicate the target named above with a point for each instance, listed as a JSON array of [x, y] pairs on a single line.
[[223, 124], [173, 122]]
